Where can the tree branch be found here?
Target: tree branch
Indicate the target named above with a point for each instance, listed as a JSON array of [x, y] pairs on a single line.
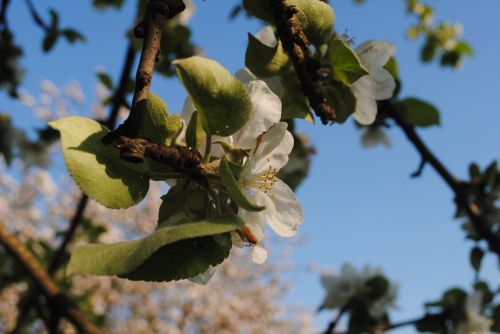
[[472, 210], [150, 28], [334, 323], [3, 13], [294, 42], [56, 297], [60, 254], [36, 17]]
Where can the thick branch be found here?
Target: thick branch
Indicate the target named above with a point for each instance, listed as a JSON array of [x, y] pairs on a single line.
[[183, 160], [294, 42], [56, 297], [150, 29], [472, 210]]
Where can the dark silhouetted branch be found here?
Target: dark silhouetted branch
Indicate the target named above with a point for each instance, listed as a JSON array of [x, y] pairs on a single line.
[[294, 43], [55, 296]]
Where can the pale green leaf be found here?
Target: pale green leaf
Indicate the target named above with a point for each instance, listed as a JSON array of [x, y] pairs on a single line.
[[234, 191], [340, 97], [317, 19], [97, 168], [346, 66], [316, 16], [265, 61], [221, 100], [158, 126], [169, 253], [195, 136], [295, 104]]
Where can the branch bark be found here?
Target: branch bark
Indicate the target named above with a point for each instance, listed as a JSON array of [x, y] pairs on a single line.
[[295, 42], [150, 28], [472, 210], [54, 294], [60, 254]]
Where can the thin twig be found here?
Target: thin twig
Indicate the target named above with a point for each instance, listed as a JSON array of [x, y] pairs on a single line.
[[472, 210], [294, 42], [334, 323], [36, 17], [3, 13], [420, 169], [150, 28], [56, 297]]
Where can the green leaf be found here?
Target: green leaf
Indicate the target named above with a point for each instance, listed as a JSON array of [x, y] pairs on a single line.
[[183, 202], [346, 66], [50, 40], [195, 136], [6, 138], [294, 104], [169, 253], [97, 168], [496, 318], [317, 19], [72, 35], [476, 257], [103, 4], [260, 9], [52, 33], [420, 113], [265, 61], [234, 191], [157, 125], [392, 67], [341, 98], [106, 80], [376, 287], [474, 171], [221, 100]]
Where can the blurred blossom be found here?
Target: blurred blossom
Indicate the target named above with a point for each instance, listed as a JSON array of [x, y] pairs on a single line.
[[49, 87], [350, 282], [27, 99], [73, 90]]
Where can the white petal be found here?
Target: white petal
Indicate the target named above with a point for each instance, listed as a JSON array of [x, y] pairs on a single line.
[[204, 277], [266, 111], [383, 82], [266, 36], [272, 150], [283, 210], [366, 109], [187, 109], [364, 86], [254, 221], [259, 254], [245, 76], [375, 53]]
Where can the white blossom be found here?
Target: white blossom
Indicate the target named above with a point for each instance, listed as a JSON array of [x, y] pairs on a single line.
[[378, 84], [283, 212], [475, 322], [341, 288]]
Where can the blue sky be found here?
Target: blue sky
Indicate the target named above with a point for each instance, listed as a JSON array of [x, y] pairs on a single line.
[[360, 205]]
